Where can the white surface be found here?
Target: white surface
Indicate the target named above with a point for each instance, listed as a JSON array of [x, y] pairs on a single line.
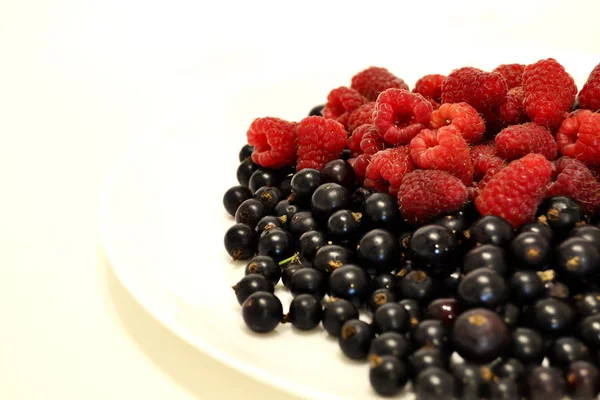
[[80, 79]]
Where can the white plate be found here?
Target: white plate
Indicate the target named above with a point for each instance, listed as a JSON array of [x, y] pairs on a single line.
[[163, 224]]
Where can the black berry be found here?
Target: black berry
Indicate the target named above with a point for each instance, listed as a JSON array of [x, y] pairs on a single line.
[[491, 229], [387, 374], [245, 152], [309, 243], [338, 171], [381, 210], [538, 227], [304, 183], [262, 312], [430, 332], [355, 339], [317, 110], [245, 171], [577, 259], [336, 313], [434, 384], [235, 196], [527, 346], [485, 256], [302, 222], [544, 383], [343, 225], [309, 281], [286, 210], [445, 310], [265, 266], [276, 243], [482, 288], [589, 331], [414, 310], [250, 284], [305, 312], [250, 212], [264, 177], [267, 223], [480, 336], [391, 317], [240, 242], [417, 285], [589, 233], [530, 250], [561, 214], [587, 304], [583, 380], [434, 248], [552, 316], [379, 298], [351, 283], [425, 358], [383, 281], [328, 198], [566, 350], [525, 287], [269, 196], [288, 271], [390, 344], [378, 249], [330, 257]]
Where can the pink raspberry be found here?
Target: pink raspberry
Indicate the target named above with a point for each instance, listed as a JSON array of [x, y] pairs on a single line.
[[484, 149], [589, 96], [360, 165], [425, 194], [511, 111], [362, 115], [374, 80], [512, 74], [400, 115], [320, 140], [371, 142], [355, 138], [430, 87], [579, 137], [517, 140], [483, 164], [341, 102], [575, 180], [387, 168], [463, 117], [515, 192], [274, 142], [444, 149]]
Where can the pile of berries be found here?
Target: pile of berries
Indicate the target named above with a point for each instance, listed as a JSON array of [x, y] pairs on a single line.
[[450, 235]]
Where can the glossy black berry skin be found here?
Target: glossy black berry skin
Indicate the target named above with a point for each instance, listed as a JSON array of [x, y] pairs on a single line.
[[485, 256], [351, 283], [587, 232], [561, 214], [414, 310], [235, 196], [304, 183], [471, 380], [343, 225], [445, 310], [288, 271], [435, 384], [504, 389], [265, 266], [417, 285], [530, 250], [305, 312], [450, 283], [381, 210], [387, 375], [378, 249], [525, 287], [359, 196], [285, 209], [545, 383], [264, 177], [538, 227], [309, 243], [245, 152], [509, 368], [482, 288], [456, 223], [316, 111], [566, 350], [491, 229], [379, 298], [250, 212], [383, 281], [336, 313], [589, 331], [552, 316], [391, 344], [577, 259], [250, 284], [267, 223], [269, 196], [309, 281], [469, 211], [338, 171], [583, 380], [286, 185], [426, 357], [302, 222], [240, 242], [329, 198], [355, 339], [510, 314], [391, 317], [430, 332], [276, 243], [480, 336], [587, 304], [527, 346], [245, 171], [262, 312], [434, 248], [330, 257]]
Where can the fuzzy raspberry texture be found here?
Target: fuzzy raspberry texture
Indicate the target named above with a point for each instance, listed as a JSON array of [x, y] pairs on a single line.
[[579, 137], [549, 92], [589, 96], [341, 102], [320, 140], [365, 140], [575, 180], [360, 164], [518, 140], [443, 149], [355, 138], [461, 116], [425, 194], [511, 111], [430, 87], [512, 74], [515, 192], [374, 80], [362, 115], [387, 169], [400, 115], [483, 164], [274, 142]]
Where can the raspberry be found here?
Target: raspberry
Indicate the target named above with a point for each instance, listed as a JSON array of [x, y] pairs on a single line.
[[512, 74], [274, 142], [341, 102], [515, 191], [424, 194], [549, 92], [589, 96], [483, 164], [362, 115], [517, 140], [430, 87], [444, 149], [511, 111], [575, 180], [400, 115], [495, 165], [356, 137], [463, 117], [360, 165], [320, 140], [485, 149], [371, 142], [387, 168], [374, 80], [579, 137]]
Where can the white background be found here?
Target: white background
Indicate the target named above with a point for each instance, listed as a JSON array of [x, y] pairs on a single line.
[[80, 79]]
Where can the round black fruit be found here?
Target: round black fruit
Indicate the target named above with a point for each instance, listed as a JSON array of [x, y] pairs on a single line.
[[309, 281], [561, 214], [336, 313], [434, 248], [250, 212], [391, 317], [240, 242], [387, 375], [378, 249], [265, 266], [355, 339], [308, 245], [381, 210], [485, 256], [264, 177], [250, 284], [304, 184], [269, 196], [305, 312], [276, 243], [245, 171], [577, 259], [527, 346], [262, 312], [328, 198], [330, 257], [491, 229], [435, 384], [480, 336], [351, 283], [482, 288], [343, 225], [235, 196], [245, 152], [338, 171], [302, 222], [530, 250]]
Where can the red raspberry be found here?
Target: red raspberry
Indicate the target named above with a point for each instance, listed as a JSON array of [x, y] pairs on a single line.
[[374, 80], [512, 74], [463, 117], [589, 96], [579, 137], [517, 140], [575, 180], [486, 149], [511, 111], [515, 192], [387, 168], [483, 164], [320, 140], [341, 102], [356, 137], [274, 142], [549, 92], [424, 194], [495, 165], [400, 115], [362, 115], [360, 165], [430, 87], [371, 142], [444, 149]]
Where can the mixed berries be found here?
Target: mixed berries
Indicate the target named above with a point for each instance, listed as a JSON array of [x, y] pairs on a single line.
[[448, 235]]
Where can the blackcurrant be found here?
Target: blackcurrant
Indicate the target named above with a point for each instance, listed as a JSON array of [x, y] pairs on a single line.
[[265, 266], [245, 171], [587, 304], [378, 249], [308, 245], [480, 336], [527, 346], [387, 374], [417, 285], [355, 339], [338, 171], [504, 389], [383, 281], [577, 259], [391, 317], [530, 250], [583, 380], [379, 298], [262, 312], [316, 110], [335, 313], [328, 198], [485, 256], [552, 316], [391, 344], [270, 196], [509, 368], [538, 227], [351, 283], [435, 384], [566, 350], [414, 310], [250, 284], [561, 214], [245, 152], [276, 243], [381, 210], [445, 310], [309, 281], [305, 312], [302, 222], [343, 225], [330, 257], [491, 229], [286, 210], [267, 223], [525, 287], [510, 314], [482, 288], [425, 358], [457, 224], [304, 184], [589, 331], [288, 271], [250, 212], [359, 197], [589, 233], [545, 383], [235, 196], [434, 248], [430, 332], [240, 242], [471, 380]]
